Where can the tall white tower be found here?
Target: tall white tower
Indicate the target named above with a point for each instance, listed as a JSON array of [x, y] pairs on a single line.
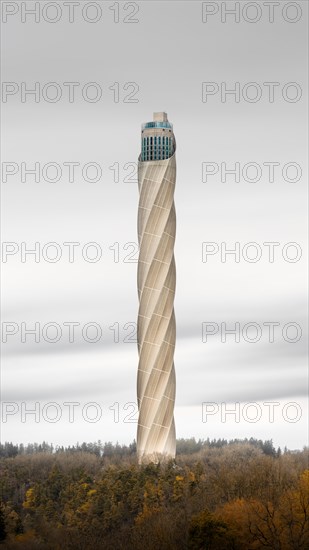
[[156, 327]]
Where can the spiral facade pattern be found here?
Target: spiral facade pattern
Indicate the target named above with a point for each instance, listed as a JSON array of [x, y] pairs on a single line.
[[156, 327]]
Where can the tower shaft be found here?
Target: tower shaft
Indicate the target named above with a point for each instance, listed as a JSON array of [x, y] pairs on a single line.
[[156, 327]]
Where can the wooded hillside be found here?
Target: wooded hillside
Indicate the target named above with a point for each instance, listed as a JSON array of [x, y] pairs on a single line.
[[241, 495]]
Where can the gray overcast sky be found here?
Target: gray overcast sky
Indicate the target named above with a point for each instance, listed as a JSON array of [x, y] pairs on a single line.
[[167, 55]]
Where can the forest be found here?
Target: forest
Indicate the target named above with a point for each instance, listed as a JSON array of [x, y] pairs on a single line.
[[216, 495]]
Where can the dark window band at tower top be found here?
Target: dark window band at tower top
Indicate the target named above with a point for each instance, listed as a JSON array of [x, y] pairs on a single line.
[[158, 141]]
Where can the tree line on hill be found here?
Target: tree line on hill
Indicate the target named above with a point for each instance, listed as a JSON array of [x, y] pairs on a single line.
[[184, 446]]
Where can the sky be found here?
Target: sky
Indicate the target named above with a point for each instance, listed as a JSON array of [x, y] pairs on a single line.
[[100, 69]]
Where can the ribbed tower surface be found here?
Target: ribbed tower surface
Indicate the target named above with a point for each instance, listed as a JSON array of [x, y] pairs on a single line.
[[156, 327]]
